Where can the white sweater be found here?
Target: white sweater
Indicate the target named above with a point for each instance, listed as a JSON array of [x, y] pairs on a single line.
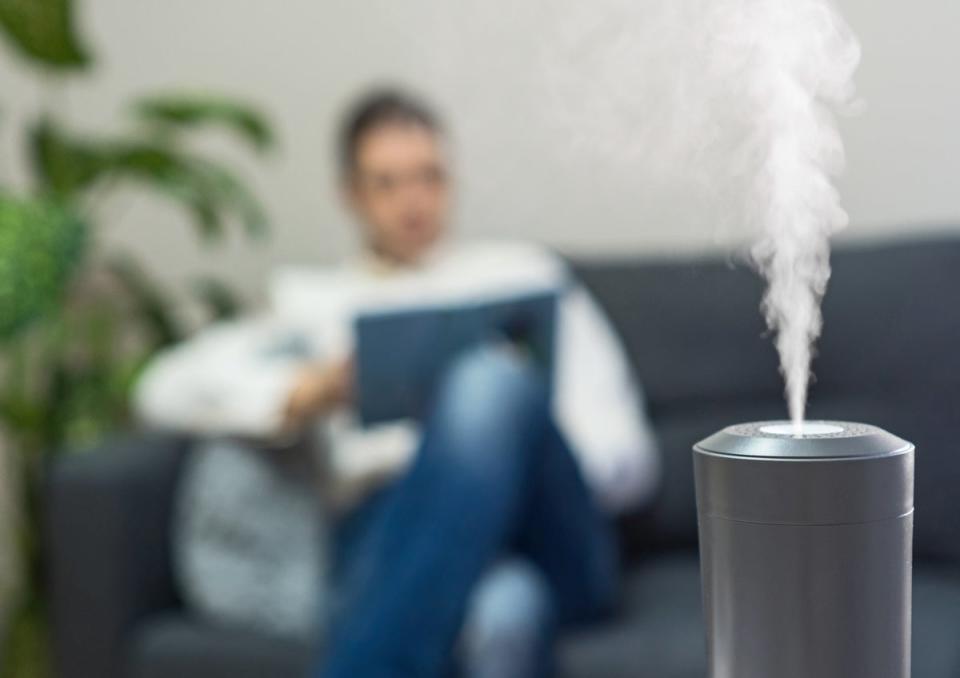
[[234, 378]]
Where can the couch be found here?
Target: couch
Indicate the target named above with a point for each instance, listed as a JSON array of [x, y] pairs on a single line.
[[890, 355]]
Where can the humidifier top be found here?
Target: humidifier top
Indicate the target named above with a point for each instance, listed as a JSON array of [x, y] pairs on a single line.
[[812, 440]]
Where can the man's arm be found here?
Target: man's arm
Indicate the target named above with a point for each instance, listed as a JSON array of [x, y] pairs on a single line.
[[251, 377], [599, 406]]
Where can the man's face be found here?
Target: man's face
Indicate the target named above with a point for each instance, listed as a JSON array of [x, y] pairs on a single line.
[[399, 189]]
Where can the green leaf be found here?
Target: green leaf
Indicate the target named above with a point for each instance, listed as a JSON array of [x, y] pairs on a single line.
[[219, 299], [179, 177], [41, 246], [151, 305], [235, 197], [64, 165], [208, 190], [184, 111], [45, 32]]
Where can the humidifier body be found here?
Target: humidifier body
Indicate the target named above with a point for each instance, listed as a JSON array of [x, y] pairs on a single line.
[[805, 548]]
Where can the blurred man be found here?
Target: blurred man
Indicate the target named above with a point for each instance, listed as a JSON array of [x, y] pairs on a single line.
[[469, 537]]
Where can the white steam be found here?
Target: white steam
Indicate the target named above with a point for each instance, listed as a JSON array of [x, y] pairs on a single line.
[[739, 95]]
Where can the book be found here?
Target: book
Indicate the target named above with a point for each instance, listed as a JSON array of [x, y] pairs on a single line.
[[402, 354]]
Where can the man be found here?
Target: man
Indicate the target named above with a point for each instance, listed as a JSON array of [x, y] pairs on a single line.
[[470, 536]]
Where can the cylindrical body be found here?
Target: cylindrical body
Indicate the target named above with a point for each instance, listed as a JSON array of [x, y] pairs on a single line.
[[805, 545]]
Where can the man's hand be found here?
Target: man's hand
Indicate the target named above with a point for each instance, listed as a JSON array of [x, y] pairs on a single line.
[[318, 390]]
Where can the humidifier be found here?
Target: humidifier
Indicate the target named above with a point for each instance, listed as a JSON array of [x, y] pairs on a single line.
[[805, 541]]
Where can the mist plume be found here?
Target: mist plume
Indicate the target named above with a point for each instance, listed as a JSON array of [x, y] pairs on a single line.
[[741, 95]]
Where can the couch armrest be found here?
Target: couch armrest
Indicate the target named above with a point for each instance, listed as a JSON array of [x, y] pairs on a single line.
[[106, 531]]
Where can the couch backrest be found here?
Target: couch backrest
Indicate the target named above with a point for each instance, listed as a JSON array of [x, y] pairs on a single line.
[[890, 356]]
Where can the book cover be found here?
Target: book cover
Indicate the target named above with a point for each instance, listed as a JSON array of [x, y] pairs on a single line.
[[402, 354]]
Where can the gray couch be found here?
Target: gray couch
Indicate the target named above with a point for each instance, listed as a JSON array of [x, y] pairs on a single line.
[[890, 355]]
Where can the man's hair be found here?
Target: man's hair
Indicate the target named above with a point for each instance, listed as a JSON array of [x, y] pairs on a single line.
[[387, 106]]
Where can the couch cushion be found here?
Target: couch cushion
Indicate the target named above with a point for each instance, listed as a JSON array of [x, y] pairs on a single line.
[[936, 623], [658, 635], [661, 635], [692, 328], [179, 645], [890, 318], [889, 356]]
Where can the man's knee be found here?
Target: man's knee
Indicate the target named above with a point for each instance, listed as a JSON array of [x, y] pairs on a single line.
[[492, 386], [511, 615], [487, 424]]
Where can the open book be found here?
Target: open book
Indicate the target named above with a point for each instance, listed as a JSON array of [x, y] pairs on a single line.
[[402, 354]]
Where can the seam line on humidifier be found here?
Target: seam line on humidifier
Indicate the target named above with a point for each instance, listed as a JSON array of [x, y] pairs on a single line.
[[753, 457], [796, 524]]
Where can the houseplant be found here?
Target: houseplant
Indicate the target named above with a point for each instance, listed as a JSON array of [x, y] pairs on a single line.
[[76, 326]]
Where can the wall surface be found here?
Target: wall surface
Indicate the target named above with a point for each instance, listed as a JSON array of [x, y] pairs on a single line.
[[482, 63]]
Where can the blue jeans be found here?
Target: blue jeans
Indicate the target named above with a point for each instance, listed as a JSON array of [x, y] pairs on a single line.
[[493, 477]]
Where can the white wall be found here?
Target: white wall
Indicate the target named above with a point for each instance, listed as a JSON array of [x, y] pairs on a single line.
[[303, 59]]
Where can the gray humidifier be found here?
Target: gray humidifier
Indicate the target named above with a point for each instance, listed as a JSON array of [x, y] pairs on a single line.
[[805, 545]]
